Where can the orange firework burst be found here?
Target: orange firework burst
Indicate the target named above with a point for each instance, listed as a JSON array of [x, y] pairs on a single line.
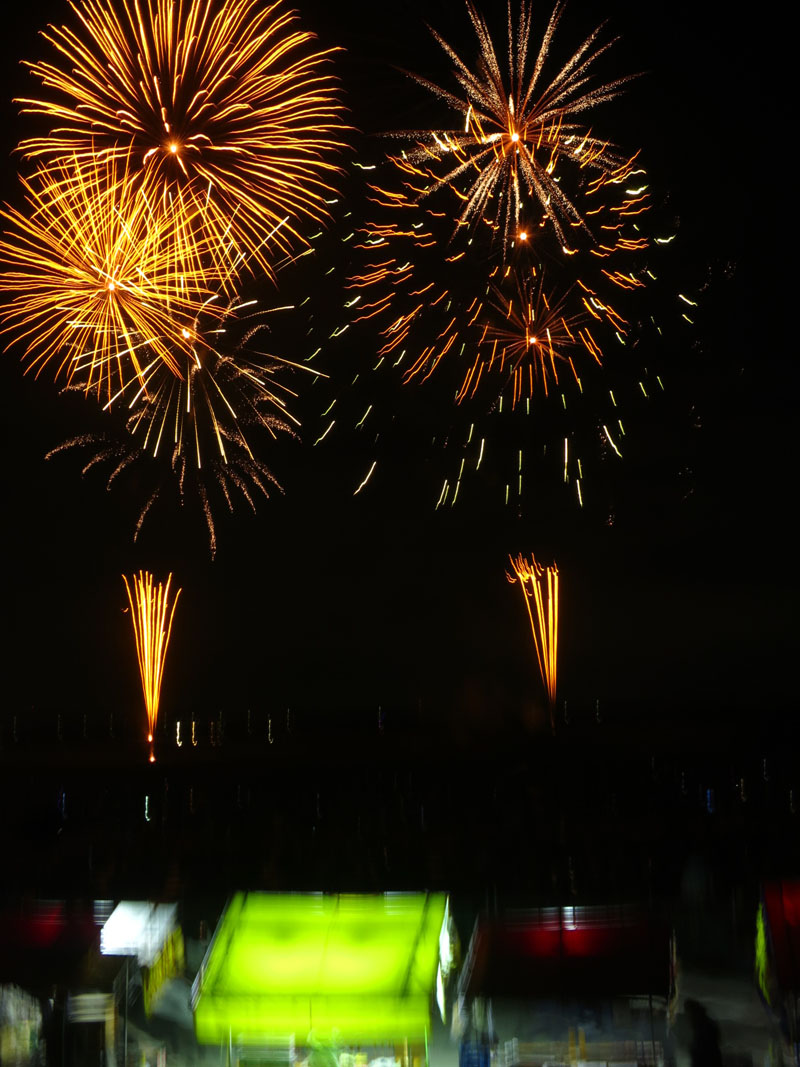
[[499, 329], [219, 103], [540, 590], [530, 335], [518, 133], [152, 614], [95, 274]]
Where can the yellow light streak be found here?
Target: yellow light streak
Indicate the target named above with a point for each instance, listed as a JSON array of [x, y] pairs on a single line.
[[367, 477]]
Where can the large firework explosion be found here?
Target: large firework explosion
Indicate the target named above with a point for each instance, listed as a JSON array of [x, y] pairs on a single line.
[[519, 134], [499, 341], [224, 108], [505, 264], [187, 144], [432, 220], [433, 249]]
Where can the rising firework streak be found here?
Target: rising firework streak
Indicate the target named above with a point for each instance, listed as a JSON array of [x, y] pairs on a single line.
[[152, 614]]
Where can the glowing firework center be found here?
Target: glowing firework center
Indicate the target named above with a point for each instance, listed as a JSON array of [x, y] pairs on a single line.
[[320, 969]]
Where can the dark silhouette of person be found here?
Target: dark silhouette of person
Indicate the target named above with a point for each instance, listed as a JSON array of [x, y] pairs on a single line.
[[704, 1050]]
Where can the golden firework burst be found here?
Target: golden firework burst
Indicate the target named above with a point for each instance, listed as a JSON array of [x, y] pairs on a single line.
[[520, 134], [96, 274], [223, 106], [530, 335]]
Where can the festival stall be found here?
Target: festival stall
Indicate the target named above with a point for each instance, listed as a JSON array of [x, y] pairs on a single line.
[[567, 985], [327, 979], [777, 963], [55, 999]]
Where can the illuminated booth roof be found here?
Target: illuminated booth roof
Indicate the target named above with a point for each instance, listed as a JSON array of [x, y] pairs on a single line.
[[360, 969]]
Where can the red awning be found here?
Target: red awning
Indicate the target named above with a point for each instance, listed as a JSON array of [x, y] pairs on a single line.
[[41, 941], [557, 952], [782, 912]]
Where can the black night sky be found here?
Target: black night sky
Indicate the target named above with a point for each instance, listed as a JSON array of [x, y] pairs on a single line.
[[676, 576]]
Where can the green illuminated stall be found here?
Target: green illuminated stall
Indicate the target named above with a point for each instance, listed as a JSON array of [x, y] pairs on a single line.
[[350, 969]]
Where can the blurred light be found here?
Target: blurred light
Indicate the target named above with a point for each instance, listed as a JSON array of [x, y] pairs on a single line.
[[90, 1007], [138, 928]]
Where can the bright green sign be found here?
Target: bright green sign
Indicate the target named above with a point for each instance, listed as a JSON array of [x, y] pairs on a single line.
[[355, 969]]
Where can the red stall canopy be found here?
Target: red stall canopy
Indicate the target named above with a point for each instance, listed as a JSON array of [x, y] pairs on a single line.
[[571, 951], [782, 907]]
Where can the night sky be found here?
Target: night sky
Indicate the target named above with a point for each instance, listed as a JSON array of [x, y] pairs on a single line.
[[676, 576]]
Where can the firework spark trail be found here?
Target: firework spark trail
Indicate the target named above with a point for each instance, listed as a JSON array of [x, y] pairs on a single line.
[[222, 106], [94, 272], [152, 613], [540, 591], [519, 134]]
